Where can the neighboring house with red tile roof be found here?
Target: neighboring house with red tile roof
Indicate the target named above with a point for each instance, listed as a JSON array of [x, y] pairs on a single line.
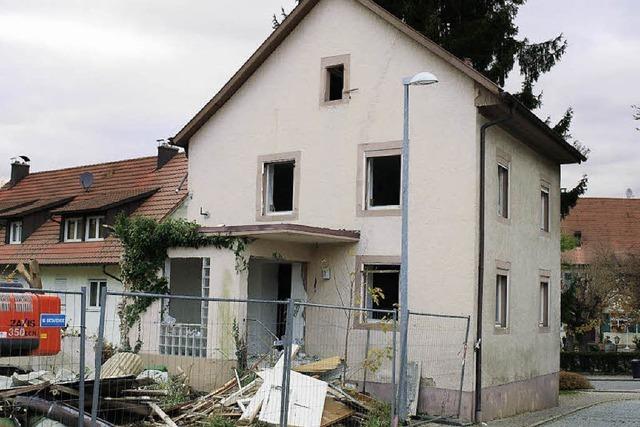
[[50, 217], [602, 224]]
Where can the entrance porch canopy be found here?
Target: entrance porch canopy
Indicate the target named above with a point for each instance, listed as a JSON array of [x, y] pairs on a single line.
[[286, 233]]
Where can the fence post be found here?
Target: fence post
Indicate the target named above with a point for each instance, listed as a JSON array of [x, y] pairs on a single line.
[[96, 380], [286, 370], [394, 400], [83, 337]]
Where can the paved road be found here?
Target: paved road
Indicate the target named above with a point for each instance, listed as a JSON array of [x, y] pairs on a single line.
[[615, 384], [623, 413]]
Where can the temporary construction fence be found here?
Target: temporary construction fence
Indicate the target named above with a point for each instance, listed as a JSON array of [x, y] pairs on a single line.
[[192, 358], [437, 355], [42, 345]]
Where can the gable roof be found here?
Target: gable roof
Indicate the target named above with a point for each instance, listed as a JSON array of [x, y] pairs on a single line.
[[159, 191], [300, 12], [605, 224]]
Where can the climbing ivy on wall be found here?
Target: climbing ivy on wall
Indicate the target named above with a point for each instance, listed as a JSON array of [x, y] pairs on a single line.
[[145, 242]]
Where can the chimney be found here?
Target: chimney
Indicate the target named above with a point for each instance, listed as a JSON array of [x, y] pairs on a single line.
[[19, 169], [165, 153]]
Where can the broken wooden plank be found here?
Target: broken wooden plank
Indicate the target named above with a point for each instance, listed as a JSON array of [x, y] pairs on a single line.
[[334, 412], [16, 391], [238, 394], [254, 406], [320, 367], [167, 420]]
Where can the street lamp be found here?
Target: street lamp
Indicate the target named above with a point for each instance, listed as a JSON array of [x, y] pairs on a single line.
[[420, 79]]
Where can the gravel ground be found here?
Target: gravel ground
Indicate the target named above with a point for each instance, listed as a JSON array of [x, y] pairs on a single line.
[[622, 413], [618, 384]]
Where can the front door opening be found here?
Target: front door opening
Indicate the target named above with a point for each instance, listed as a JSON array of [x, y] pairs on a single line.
[[266, 322]]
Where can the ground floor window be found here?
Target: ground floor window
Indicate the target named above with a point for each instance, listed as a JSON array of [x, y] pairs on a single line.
[[381, 290], [544, 304], [96, 289], [502, 300]]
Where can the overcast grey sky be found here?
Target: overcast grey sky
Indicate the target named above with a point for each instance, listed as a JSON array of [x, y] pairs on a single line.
[[90, 81]]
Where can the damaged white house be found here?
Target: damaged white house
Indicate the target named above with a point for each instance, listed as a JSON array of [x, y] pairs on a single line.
[[300, 152]]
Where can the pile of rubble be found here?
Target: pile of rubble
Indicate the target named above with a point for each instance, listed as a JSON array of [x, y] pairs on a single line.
[[132, 395]]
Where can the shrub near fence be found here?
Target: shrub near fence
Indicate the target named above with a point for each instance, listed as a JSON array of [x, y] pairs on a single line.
[[598, 362]]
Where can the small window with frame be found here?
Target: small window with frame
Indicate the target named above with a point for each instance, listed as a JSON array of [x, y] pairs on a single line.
[[335, 79], [94, 228], [503, 190], [544, 303], [15, 232], [96, 289], [545, 217], [277, 187], [502, 300], [383, 182], [73, 230]]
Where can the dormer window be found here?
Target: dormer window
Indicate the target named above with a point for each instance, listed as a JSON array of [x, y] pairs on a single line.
[[73, 230], [15, 232], [94, 228]]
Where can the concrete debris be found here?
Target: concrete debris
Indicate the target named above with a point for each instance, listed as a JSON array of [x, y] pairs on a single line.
[[159, 377]]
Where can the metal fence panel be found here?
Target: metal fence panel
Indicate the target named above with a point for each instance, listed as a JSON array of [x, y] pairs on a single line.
[[43, 346], [437, 351]]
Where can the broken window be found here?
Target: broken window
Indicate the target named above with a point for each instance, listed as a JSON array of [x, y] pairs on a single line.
[[503, 191], [544, 304], [501, 300], [94, 229], [383, 181], [335, 82], [96, 289], [279, 186], [544, 209], [73, 230], [381, 288], [15, 232], [577, 236]]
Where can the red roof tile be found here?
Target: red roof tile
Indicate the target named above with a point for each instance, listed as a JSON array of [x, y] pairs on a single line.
[[106, 200], [604, 225], [113, 179]]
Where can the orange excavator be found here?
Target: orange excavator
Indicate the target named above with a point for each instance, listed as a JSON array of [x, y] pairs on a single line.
[[30, 323]]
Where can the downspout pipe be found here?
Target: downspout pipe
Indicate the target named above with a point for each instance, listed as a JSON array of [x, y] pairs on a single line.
[[481, 239], [106, 273]]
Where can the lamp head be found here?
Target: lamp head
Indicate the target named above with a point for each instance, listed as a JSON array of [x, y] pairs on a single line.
[[421, 79]]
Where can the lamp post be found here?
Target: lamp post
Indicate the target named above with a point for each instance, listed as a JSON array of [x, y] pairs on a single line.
[[420, 79]]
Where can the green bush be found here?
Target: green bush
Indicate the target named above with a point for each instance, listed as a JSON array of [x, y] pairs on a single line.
[[573, 381], [219, 421], [598, 363]]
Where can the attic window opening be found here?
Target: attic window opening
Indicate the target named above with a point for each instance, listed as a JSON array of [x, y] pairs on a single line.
[[577, 236], [15, 232], [383, 182], [279, 186], [335, 82]]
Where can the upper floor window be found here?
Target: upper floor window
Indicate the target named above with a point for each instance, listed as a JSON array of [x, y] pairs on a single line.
[[278, 186], [335, 76], [503, 190], [383, 182], [73, 230], [544, 209], [93, 228], [15, 232]]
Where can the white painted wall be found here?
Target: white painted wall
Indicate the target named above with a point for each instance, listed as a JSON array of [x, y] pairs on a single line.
[[72, 278], [526, 350]]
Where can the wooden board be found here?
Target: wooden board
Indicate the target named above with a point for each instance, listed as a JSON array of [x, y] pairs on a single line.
[[321, 366], [334, 412]]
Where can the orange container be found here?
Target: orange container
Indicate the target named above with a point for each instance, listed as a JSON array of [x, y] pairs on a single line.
[[20, 331]]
